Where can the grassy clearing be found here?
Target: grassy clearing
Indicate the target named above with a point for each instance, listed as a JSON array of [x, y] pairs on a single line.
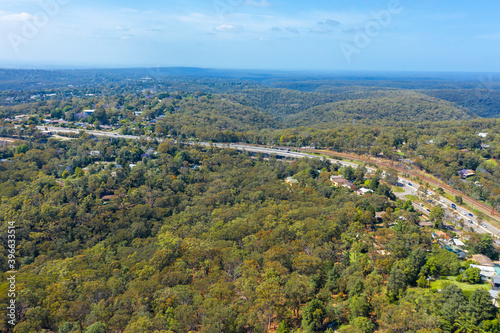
[[439, 284], [397, 189], [492, 162]]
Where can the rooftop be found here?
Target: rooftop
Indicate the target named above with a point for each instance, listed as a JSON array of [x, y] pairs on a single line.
[[483, 260], [466, 173]]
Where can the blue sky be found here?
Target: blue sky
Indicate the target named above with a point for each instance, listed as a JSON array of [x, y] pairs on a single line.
[[392, 35]]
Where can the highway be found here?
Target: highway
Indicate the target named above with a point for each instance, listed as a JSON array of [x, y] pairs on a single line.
[[252, 149], [406, 184], [470, 220], [277, 151]]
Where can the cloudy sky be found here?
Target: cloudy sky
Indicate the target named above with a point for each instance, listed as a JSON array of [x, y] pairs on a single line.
[[404, 35]]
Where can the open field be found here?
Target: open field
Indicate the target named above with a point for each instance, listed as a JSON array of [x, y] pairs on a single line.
[[439, 284]]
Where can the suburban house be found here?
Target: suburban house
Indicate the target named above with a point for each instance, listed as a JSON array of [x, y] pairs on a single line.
[[108, 197], [495, 283], [88, 112], [151, 151], [95, 153], [487, 267], [380, 215], [494, 297], [340, 181], [487, 272], [483, 260], [466, 173], [457, 250], [363, 191], [438, 234], [453, 245]]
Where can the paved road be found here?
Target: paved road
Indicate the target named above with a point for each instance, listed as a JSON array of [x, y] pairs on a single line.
[[279, 152], [470, 220], [467, 216], [253, 149]]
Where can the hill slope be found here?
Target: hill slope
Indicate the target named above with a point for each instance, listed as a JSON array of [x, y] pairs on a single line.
[[401, 106]]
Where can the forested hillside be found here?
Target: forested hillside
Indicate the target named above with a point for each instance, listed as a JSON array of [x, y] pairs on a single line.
[[207, 116], [211, 241], [481, 101], [398, 106], [280, 102]]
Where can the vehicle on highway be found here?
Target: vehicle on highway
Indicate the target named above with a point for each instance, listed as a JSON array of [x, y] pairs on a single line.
[[409, 184], [470, 221], [428, 209], [470, 214], [453, 206], [115, 134], [484, 225]]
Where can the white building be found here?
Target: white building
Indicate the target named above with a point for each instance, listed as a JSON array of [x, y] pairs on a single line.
[[487, 272]]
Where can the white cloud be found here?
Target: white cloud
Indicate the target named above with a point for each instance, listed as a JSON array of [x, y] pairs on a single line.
[[228, 28]]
